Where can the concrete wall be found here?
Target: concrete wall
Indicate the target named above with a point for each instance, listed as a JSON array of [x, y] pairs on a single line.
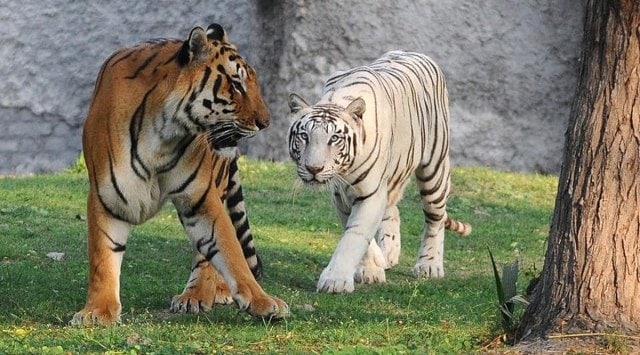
[[511, 68]]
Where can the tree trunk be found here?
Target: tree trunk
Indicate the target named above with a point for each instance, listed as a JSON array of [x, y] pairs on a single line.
[[591, 276]]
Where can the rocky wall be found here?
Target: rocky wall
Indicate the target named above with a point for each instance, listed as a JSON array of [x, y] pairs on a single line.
[[511, 66]]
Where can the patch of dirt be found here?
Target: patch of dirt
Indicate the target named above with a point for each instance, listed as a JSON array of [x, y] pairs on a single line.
[[570, 344]]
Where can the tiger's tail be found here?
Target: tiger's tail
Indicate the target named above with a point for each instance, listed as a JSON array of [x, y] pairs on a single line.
[[462, 228], [237, 212]]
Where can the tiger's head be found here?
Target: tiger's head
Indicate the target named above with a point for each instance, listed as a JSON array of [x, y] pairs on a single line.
[[222, 96], [324, 138]]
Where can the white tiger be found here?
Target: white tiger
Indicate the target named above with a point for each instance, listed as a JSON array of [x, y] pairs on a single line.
[[373, 126]]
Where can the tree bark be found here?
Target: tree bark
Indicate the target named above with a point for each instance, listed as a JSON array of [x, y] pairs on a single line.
[[591, 276]]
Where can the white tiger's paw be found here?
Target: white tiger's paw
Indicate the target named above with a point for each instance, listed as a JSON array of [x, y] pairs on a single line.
[[428, 270], [370, 274], [333, 281], [371, 268], [390, 251]]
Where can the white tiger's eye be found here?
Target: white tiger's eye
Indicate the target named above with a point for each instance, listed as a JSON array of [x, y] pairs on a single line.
[[333, 139], [304, 136]]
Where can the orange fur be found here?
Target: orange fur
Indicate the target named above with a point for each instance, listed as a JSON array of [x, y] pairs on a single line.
[[148, 139]]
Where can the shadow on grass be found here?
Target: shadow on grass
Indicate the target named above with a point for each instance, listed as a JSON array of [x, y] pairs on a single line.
[[36, 289]]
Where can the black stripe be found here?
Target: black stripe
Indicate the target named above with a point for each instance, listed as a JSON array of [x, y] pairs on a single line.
[[236, 216], [257, 269], [114, 182], [194, 209], [199, 264], [222, 169], [240, 232], [190, 178], [205, 78], [104, 205], [142, 66], [110, 211], [212, 253], [216, 89], [432, 217], [118, 247], [134, 131], [172, 58], [98, 84], [234, 199], [182, 146], [364, 197], [131, 52]]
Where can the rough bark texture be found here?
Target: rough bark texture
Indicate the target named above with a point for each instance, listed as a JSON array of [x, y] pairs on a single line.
[[591, 277]]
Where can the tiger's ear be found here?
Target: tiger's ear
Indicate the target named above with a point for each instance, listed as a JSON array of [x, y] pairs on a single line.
[[194, 47], [296, 103], [215, 32], [357, 107]]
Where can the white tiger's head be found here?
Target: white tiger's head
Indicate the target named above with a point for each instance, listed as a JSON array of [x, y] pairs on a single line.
[[323, 138]]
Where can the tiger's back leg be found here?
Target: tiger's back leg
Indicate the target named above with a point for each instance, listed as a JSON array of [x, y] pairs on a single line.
[[389, 236], [205, 285], [433, 183]]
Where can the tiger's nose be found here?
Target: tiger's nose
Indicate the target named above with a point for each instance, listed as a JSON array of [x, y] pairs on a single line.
[[314, 169], [262, 123]]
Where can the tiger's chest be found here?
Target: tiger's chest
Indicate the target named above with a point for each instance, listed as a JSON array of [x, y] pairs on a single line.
[[132, 199], [139, 184]]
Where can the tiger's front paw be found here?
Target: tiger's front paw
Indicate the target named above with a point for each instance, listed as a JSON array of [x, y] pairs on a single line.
[[428, 270], [260, 304], [90, 316], [332, 281]]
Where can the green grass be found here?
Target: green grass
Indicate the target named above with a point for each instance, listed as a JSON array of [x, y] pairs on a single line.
[[296, 232]]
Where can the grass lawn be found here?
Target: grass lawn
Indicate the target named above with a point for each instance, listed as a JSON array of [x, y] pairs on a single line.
[[296, 232]]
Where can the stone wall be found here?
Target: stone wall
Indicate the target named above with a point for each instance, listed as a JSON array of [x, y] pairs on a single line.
[[511, 68]]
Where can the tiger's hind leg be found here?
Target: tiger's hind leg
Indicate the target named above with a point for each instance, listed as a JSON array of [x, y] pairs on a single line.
[[383, 254], [389, 236], [434, 190]]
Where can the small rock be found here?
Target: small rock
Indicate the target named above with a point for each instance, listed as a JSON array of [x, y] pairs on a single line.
[[55, 256]]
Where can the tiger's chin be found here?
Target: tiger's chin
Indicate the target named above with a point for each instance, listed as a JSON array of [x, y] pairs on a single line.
[[224, 147], [227, 152], [313, 182]]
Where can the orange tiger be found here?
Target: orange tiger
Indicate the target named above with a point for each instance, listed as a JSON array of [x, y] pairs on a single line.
[[164, 122]]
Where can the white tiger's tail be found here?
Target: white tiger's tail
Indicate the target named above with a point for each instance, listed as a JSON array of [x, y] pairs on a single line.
[[462, 228]]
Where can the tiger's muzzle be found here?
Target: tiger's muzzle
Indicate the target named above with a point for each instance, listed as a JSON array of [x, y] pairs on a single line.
[[227, 134]]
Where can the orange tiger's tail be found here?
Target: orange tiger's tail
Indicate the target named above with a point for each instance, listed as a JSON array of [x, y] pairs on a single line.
[[464, 229]]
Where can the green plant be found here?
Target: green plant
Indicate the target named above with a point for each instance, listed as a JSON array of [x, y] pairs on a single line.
[[79, 166], [508, 297]]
